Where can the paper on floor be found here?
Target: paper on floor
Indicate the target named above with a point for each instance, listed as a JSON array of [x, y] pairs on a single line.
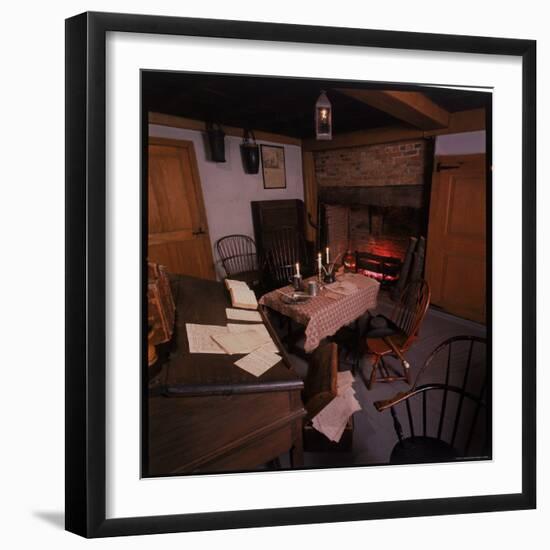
[[344, 381], [200, 338], [242, 315], [258, 362], [331, 421]]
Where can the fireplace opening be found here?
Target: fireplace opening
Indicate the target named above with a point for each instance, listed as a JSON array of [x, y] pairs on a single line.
[[374, 203], [383, 230], [378, 233]]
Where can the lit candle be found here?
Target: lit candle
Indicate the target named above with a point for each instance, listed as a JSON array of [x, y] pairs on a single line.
[[297, 269], [328, 260], [319, 262]]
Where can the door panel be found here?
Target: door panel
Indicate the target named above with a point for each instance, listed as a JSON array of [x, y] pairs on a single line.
[[456, 255], [466, 209], [178, 231]]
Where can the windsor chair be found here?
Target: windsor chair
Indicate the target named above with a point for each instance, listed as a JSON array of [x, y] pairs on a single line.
[[239, 258], [399, 334], [447, 417]]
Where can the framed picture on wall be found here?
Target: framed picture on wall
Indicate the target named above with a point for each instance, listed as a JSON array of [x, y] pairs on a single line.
[[178, 385], [273, 167]]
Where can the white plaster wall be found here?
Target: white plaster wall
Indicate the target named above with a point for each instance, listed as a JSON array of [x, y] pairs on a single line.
[[465, 143], [227, 190]]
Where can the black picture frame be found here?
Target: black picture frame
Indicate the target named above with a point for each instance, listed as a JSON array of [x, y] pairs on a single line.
[[265, 169], [86, 281]]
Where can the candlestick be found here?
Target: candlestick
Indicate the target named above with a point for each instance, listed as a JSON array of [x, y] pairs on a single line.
[[328, 259]]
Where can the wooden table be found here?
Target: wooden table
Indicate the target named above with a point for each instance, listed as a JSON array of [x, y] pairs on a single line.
[[323, 315], [208, 415]]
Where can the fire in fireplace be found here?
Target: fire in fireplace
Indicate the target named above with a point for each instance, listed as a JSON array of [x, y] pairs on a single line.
[[385, 269], [377, 233]]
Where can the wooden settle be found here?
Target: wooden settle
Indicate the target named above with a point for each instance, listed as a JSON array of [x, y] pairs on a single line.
[[160, 309]]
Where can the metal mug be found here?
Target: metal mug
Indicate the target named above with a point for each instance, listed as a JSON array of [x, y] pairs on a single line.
[[312, 288], [297, 282]]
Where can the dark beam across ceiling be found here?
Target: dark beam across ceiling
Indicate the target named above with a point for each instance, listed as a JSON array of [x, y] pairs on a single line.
[[281, 105]]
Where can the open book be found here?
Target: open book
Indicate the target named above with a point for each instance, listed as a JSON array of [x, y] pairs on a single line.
[[241, 295]]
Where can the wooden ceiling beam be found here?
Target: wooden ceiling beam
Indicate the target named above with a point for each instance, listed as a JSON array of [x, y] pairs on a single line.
[[411, 107], [471, 120], [199, 125], [462, 121], [387, 134]]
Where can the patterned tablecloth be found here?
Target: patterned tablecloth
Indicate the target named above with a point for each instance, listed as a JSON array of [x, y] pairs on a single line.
[[325, 314]]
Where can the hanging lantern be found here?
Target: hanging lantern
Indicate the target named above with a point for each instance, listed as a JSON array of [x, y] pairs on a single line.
[[323, 117], [250, 152], [216, 140]]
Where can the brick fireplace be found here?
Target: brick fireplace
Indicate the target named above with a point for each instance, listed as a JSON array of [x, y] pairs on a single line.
[[374, 197]]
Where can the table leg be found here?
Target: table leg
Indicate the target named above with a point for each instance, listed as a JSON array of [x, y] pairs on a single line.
[[297, 450]]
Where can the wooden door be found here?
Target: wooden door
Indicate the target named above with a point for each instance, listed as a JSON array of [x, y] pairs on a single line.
[[456, 254], [178, 232]]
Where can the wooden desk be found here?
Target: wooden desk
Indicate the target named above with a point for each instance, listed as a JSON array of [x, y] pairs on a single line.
[[208, 415]]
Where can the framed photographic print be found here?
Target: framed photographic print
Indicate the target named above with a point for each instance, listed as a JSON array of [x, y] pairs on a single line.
[[273, 167], [340, 349]]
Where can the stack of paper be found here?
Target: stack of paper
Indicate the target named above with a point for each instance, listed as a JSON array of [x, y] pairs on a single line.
[[269, 346], [261, 358], [233, 283], [263, 333], [239, 342], [240, 315], [200, 338], [234, 338], [245, 338], [241, 295], [332, 420], [258, 362]]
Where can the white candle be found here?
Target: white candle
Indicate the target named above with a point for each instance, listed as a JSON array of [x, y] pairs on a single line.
[[298, 269], [328, 260], [319, 262]]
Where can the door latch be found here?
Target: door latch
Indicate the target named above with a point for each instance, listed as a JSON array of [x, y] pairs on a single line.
[[440, 167]]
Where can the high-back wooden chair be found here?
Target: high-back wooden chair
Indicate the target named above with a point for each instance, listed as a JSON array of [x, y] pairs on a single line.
[[283, 249], [445, 415], [403, 327], [239, 258]]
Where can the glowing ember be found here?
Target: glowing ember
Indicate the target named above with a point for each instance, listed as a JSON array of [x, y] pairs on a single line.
[[377, 276]]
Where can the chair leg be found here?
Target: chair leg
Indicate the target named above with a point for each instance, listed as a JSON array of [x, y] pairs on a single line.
[[358, 348], [407, 369], [355, 364]]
